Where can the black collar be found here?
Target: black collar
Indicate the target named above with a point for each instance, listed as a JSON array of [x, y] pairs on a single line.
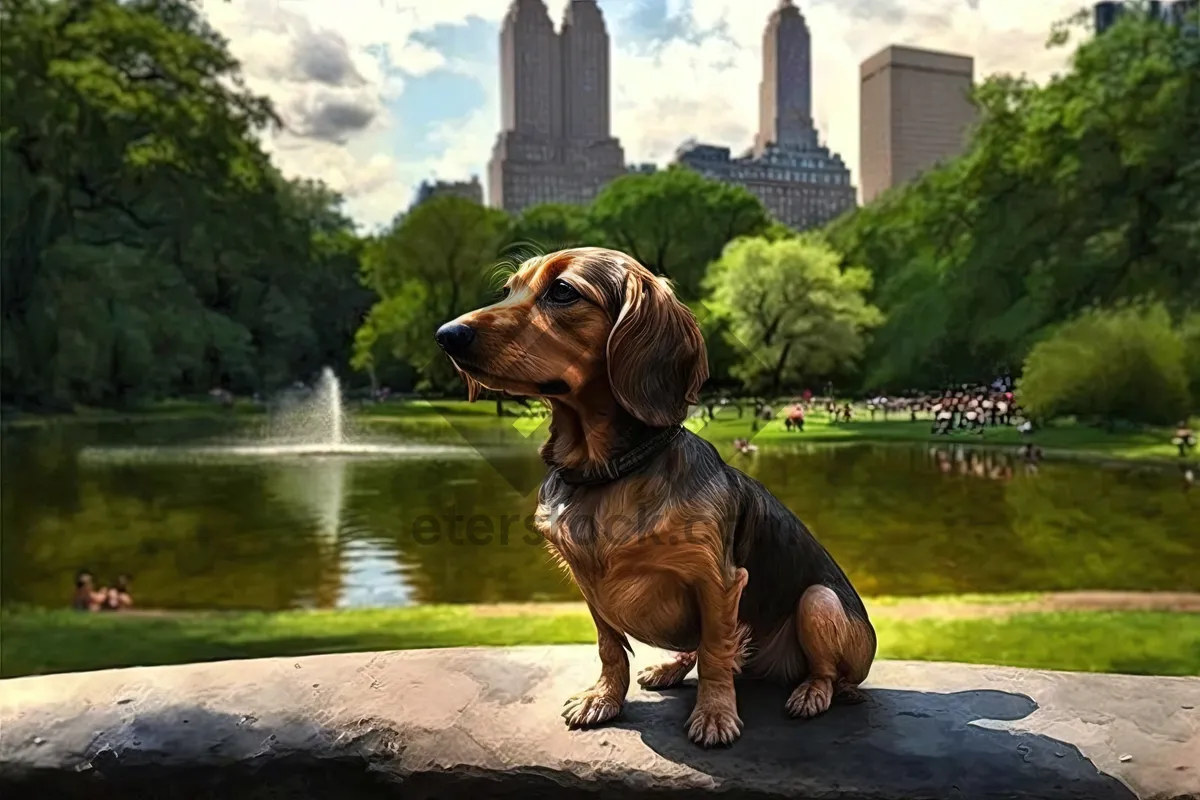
[[627, 464]]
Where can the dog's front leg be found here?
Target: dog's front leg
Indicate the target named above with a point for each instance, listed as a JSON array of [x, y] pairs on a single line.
[[603, 701], [715, 720]]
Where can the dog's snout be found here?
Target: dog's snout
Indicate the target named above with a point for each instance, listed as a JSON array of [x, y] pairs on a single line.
[[454, 337]]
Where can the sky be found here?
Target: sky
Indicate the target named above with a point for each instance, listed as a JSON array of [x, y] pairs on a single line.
[[378, 95]]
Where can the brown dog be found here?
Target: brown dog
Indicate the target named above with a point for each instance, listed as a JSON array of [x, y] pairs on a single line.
[[667, 543]]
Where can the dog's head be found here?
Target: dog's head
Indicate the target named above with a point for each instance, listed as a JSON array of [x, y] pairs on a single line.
[[573, 320]]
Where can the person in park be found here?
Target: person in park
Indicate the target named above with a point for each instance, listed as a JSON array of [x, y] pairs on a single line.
[[86, 597], [795, 417], [1184, 439], [117, 596], [744, 447]]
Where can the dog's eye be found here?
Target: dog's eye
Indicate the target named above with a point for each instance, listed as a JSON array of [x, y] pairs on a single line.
[[505, 292], [561, 293]]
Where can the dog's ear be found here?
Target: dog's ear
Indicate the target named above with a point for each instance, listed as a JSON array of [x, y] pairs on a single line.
[[657, 360]]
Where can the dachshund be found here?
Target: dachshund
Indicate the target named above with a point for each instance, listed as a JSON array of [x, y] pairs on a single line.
[[667, 544]]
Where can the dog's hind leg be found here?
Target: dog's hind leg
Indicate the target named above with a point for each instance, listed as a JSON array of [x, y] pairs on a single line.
[[839, 649], [668, 674]]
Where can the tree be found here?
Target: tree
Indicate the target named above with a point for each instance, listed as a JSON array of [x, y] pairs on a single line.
[[1125, 364], [546, 228], [149, 246], [438, 262], [675, 222], [798, 313], [1080, 192]]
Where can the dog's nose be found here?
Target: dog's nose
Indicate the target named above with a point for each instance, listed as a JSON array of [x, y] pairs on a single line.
[[454, 337]]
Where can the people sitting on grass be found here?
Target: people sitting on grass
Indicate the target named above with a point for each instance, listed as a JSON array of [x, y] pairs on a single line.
[[87, 597], [794, 420], [117, 596]]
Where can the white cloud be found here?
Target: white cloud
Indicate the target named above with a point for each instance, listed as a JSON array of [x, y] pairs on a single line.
[[340, 129], [709, 88]]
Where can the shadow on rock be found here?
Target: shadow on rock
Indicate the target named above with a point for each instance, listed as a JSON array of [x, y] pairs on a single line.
[[897, 744]]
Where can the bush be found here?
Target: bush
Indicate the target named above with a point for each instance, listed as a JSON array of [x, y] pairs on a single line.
[[1123, 364], [1190, 332]]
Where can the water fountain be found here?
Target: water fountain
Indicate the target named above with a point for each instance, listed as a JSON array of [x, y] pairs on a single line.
[[312, 425]]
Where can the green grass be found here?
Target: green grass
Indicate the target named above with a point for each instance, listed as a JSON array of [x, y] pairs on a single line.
[[38, 642], [1065, 438]]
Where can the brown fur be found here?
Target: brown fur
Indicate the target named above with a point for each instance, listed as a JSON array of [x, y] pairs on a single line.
[[653, 553]]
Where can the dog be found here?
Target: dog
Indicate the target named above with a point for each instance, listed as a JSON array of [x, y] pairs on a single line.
[[667, 544]]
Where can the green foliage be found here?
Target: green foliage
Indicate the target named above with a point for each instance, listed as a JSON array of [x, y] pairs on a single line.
[[1189, 332], [549, 227], [436, 263], [1125, 364], [440, 260], [1081, 192], [149, 247], [794, 312], [675, 222]]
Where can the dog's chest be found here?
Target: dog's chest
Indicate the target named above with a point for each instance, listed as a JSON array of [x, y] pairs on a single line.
[[612, 558]]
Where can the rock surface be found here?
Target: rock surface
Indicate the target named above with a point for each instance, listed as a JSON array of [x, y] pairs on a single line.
[[484, 723]]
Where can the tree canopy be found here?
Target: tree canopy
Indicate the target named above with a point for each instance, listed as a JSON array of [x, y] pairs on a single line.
[[793, 312], [1120, 364], [675, 222], [438, 262], [149, 247], [1083, 191]]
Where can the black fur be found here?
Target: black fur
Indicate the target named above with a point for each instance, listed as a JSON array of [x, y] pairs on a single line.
[[781, 555]]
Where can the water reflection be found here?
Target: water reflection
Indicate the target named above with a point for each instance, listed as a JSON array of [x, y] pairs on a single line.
[[333, 531]]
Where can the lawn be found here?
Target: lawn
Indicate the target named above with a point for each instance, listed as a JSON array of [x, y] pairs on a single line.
[[38, 642], [1064, 438]]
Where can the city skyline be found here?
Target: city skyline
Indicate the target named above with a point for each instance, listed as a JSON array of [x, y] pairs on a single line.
[[380, 97], [800, 182], [555, 141]]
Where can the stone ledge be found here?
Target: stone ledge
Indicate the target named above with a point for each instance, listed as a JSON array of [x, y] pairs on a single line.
[[485, 723]]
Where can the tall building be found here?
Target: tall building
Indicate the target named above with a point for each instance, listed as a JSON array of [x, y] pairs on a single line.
[[555, 143], [797, 178], [785, 92], [915, 111], [471, 190]]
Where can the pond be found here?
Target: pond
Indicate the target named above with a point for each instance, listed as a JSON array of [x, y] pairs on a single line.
[[431, 520]]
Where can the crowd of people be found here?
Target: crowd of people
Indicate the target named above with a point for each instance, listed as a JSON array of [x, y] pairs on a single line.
[[89, 597], [964, 408]]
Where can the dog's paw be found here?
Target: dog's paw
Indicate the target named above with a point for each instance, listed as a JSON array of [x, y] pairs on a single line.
[[714, 725], [668, 675], [591, 707], [811, 698]]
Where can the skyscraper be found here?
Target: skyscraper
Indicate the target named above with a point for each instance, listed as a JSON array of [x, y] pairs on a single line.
[[915, 110], [530, 71], [585, 89], [797, 178], [555, 143], [785, 92]]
